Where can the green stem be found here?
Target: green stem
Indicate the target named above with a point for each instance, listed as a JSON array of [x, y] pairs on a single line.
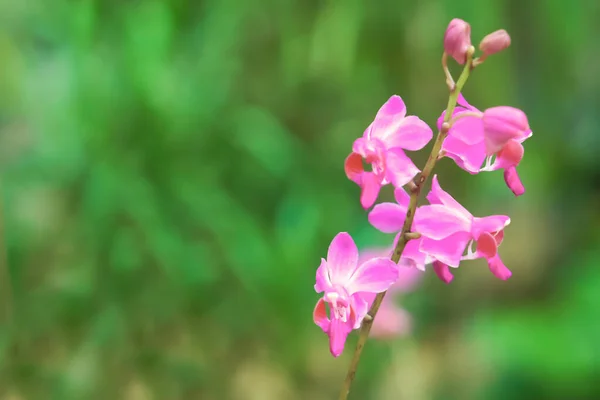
[[405, 236]]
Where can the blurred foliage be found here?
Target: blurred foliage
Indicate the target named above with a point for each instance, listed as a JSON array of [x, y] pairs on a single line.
[[172, 172]]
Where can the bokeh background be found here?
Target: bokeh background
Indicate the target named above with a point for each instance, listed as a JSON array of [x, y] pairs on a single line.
[[171, 173]]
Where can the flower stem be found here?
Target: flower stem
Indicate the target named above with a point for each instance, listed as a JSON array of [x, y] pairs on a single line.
[[405, 236]]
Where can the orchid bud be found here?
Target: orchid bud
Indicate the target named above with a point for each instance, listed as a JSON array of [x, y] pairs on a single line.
[[495, 42], [501, 124], [457, 40]]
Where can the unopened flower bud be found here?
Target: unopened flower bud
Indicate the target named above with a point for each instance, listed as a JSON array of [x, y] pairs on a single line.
[[457, 40], [495, 42], [501, 124]]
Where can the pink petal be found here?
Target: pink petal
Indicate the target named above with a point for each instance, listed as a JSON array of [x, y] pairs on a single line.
[[468, 157], [370, 187], [368, 297], [408, 277], [375, 275], [498, 268], [401, 197], [320, 316], [361, 307], [486, 245], [412, 257], [502, 124], [338, 333], [360, 146], [366, 255], [323, 281], [463, 102], [411, 134], [491, 224], [391, 321], [354, 167], [440, 120], [443, 272], [438, 222], [438, 196], [511, 177], [468, 129], [388, 217], [499, 236], [388, 118], [342, 258], [449, 250], [400, 169], [510, 156]]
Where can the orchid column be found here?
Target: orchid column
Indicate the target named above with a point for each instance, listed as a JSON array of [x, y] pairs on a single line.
[[441, 234]]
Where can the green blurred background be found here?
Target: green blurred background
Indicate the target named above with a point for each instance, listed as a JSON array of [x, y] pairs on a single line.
[[171, 173]]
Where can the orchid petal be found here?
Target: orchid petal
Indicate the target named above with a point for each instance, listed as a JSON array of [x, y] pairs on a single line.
[[375, 275], [372, 253], [408, 276], [353, 166], [360, 146], [438, 222], [502, 124], [338, 333], [342, 257], [463, 102], [486, 246], [498, 268], [468, 129], [438, 196], [499, 237], [388, 118], [323, 281], [391, 321], [510, 156], [493, 223], [388, 217], [457, 110], [468, 157], [400, 168], [511, 177], [370, 187], [448, 250], [411, 134], [401, 197], [443, 272], [412, 257], [361, 308], [320, 316]]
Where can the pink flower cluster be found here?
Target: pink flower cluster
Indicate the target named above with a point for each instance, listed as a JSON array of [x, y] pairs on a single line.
[[448, 234]]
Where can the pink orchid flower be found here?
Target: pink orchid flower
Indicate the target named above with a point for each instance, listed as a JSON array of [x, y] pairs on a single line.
[[391, 320], [343, 279], [389, 218], [448, 229], [494, 136], [382, 146]]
